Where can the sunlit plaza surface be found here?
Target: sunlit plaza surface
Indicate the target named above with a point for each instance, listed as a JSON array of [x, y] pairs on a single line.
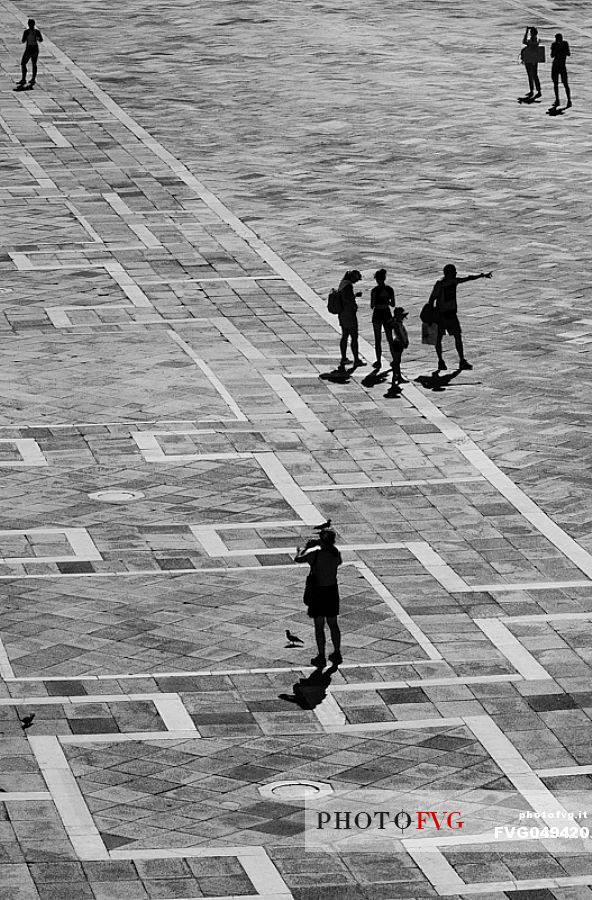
[[178, 194]]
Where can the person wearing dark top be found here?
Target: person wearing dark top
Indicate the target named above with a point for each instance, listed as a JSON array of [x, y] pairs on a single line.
[[382, 301], [443, 301], [322, 593], [31, 38], [348, 318], [530, 58], [559, 53]]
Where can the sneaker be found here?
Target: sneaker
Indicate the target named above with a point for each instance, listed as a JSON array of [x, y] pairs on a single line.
[[442, 366], [319, 662], [376, 365], [463, 364], [359, 362], [569, 104], [536, 96], [555, 104], [336, 658]]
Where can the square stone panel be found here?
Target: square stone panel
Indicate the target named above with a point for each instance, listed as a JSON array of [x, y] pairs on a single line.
[[40, 223], [182, 623], [118, 377], [200, 792], [181, 492]]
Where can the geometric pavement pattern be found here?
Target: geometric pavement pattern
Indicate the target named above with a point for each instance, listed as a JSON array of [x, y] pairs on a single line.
[[93, 213]]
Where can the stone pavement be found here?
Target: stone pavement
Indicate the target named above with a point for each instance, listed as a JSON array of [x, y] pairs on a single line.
[[166, 441]]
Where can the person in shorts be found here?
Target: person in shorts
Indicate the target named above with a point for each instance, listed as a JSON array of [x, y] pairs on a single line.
[[559, 53], [382, 301], [443, 301], [31, 38], [348, 318], [322, 593]]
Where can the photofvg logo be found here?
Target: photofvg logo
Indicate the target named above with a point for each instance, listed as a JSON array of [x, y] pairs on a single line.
[[371, 820], [361, 818], [418, 820]]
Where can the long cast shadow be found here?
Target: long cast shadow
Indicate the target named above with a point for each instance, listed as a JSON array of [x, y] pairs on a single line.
[[310, 692], [437, 382]]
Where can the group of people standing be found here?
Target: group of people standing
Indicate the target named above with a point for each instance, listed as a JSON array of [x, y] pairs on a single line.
[[388, 319], [533, 53]]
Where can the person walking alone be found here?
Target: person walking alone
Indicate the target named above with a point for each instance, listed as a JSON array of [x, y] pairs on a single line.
[[382, 301], [31, 38], [348, 318], [530, 58], [322, 593], [559, 53], [443, 301]]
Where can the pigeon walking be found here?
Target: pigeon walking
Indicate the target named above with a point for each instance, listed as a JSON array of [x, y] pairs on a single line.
[[27, 721], [293, 640]]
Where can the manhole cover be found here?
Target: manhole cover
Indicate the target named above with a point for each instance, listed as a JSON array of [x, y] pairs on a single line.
[[116, 496], [295, 790]]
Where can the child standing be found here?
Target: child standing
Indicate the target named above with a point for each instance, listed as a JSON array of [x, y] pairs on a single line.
[[400, 343]]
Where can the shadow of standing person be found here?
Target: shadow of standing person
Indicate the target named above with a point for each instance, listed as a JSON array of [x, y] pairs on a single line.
[[310, 692]]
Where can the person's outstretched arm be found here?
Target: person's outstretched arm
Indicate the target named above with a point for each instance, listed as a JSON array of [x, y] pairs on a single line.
[[525, 38], [474, 277]]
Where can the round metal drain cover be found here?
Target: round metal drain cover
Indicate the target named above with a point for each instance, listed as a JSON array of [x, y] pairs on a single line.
[[295, 790], [116, 496]]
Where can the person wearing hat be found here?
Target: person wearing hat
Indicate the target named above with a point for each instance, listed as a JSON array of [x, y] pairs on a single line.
[[400, 343], [322, 593]]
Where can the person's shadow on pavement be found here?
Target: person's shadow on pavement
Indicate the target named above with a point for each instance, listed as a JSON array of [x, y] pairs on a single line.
[[437, 382], [310, 692], [339, 376], [375, 377]]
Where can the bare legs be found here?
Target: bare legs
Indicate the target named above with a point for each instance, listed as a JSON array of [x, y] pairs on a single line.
[[556, 75], [459, 349], [351, 333], [319, 624], [378, 326]]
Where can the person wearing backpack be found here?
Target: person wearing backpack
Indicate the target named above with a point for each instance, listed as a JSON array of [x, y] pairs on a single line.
[[443, 302], [382, 299], [348, 318]]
